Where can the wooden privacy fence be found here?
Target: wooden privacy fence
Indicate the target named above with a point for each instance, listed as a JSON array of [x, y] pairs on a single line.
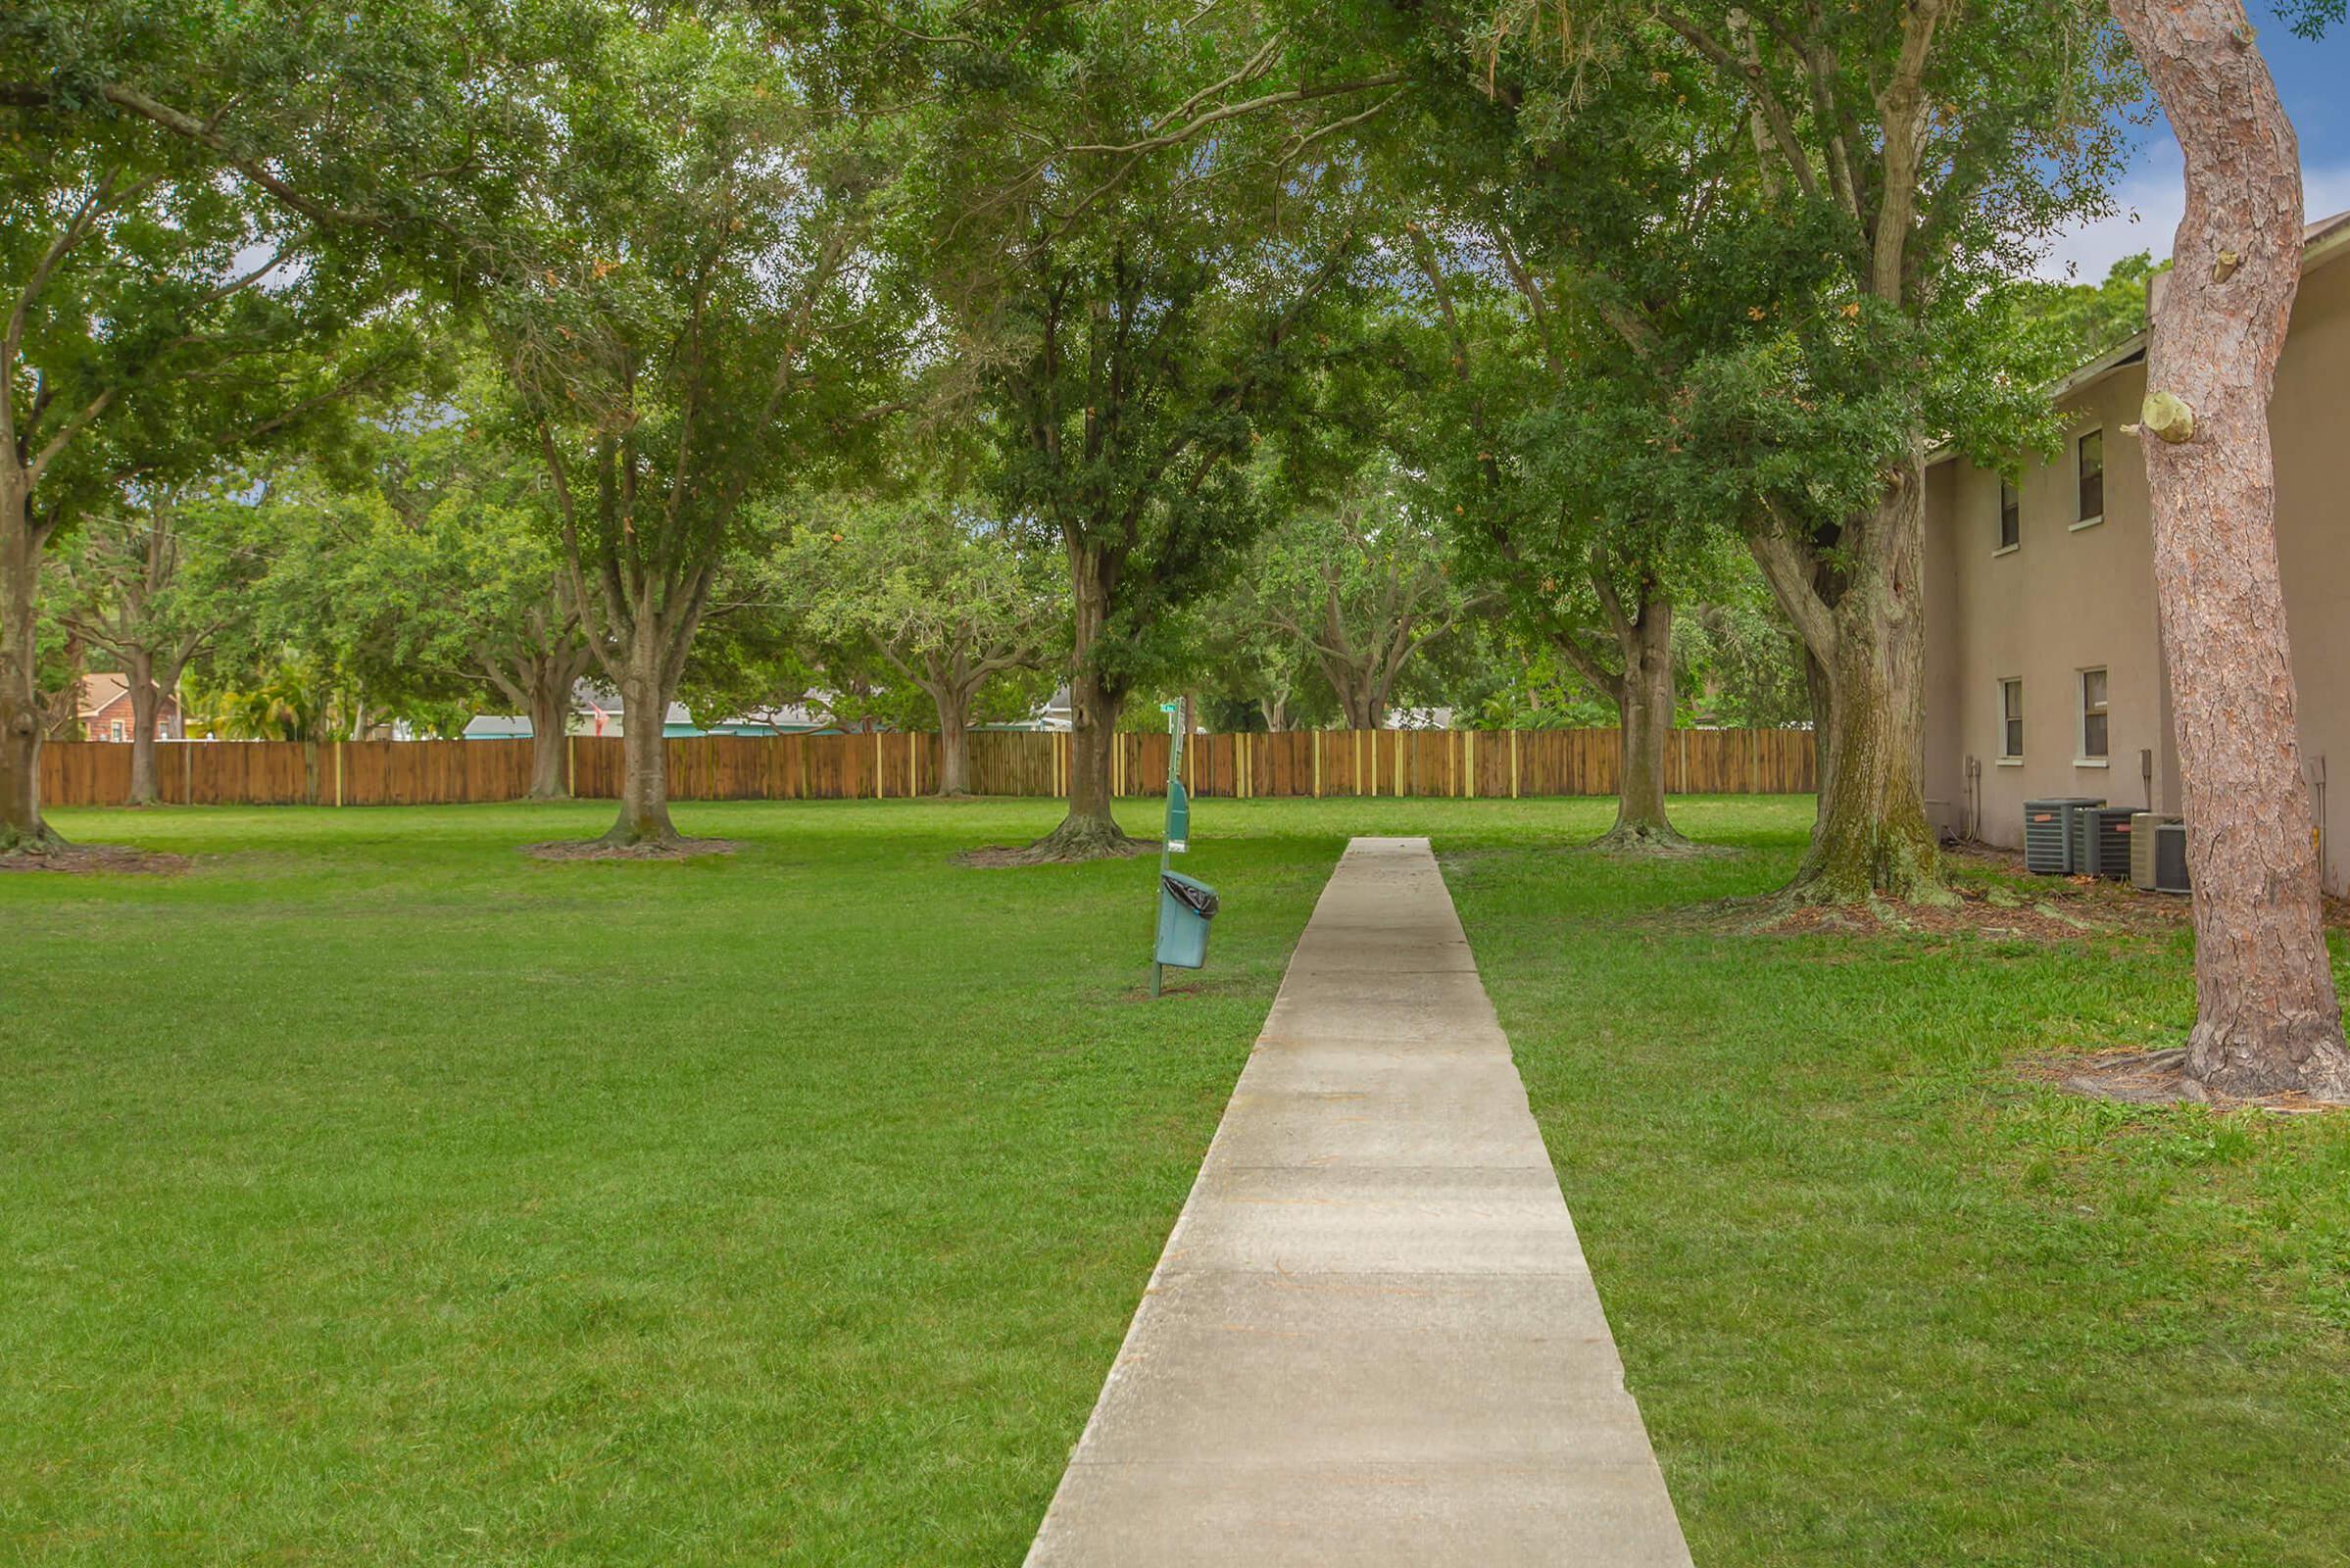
[[1463, 764]]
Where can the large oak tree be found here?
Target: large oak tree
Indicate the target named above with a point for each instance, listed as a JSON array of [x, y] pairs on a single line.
[[686, 302], [1147, 220]]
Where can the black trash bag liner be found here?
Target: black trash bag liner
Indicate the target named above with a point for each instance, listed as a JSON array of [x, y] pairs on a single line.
[[1202, 903]]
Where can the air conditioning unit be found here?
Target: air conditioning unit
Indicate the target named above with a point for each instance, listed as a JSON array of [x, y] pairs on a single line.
[[2103, 840], [2142, 826], [2048, 833], [2170, 857]]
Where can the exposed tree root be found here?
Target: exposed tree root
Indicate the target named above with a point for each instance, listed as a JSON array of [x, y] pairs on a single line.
[[2051, 913], [2308, 1060], [1896, 880], [672, 848], [1652, 840], [53, 854], [43, 840], [2134, 1077], [1077, 839]]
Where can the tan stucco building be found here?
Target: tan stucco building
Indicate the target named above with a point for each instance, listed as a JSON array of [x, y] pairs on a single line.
[[2044, 664]]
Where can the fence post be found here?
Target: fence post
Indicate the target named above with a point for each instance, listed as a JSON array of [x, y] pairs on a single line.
[[572, 765], [338, 771], [1513, 764]]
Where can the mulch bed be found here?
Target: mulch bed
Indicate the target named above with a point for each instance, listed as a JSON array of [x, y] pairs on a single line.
[[2135, 1077], [597, 850], [2035, 909], [91, 860]]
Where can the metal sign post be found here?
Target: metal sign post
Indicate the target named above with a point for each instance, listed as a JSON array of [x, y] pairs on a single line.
[[1179, 819]]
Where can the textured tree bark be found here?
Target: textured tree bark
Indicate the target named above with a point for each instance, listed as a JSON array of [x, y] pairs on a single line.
[[20, 717], [2267, 1016], [146, 701], [955, 740], [552, 678], [1870, 837], [645, 693], [1090, 830], [1644, 717]]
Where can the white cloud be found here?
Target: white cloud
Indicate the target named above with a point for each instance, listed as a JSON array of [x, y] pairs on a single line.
[[2146, 208]]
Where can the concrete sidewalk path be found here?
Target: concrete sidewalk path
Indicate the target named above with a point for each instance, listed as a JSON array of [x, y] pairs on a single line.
[[1372, 1338]]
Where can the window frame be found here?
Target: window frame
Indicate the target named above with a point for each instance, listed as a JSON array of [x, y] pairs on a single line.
[[2011, 511], [2007, 758], [2083, 757], [2083, 518]]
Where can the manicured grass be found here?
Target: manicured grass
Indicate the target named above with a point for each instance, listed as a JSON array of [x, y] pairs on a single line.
[[1881, 1301], [374, 1195], [377, 1196]]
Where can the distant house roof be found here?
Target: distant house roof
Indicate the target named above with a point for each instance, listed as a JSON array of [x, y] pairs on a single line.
[[100, 691]]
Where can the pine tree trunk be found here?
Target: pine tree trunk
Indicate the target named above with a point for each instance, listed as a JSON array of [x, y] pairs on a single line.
[[2267, 1016], [1644, 712], [146, 787], [1871, 838], [20, 717], [955, 741], [644, 749], [550, 722], [1090, 830]]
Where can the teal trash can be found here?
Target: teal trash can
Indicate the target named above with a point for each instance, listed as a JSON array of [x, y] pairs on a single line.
[[1185, 907]]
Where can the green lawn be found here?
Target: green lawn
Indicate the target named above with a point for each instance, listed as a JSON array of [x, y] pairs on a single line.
[[373, 1194]]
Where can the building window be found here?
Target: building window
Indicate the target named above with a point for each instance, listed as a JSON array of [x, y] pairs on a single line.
[[2011, 516], [2011, 719], [2093, 477], [2094, 719], [114, 729]]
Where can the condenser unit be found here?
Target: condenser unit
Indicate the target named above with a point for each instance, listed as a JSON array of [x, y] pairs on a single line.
[[2048, 833], [2144, 827], [2170, 857], [2102, 840]]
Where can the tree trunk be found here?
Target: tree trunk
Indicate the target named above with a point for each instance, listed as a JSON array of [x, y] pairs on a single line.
[[146, 700], [955, 740], [2267, 1016], [1871, 838], [550, 725], [1823, 734], [21, 721], [1090, 830], [1359, 699], [644, 749], [1644, 712]]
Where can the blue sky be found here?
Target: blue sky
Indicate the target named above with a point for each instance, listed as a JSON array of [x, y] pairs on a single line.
[[2313, 79]]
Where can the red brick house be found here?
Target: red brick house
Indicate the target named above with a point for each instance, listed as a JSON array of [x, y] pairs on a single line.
[[104, 711]]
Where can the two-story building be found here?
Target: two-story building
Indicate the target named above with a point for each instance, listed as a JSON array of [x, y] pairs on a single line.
[[2045, 671]]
